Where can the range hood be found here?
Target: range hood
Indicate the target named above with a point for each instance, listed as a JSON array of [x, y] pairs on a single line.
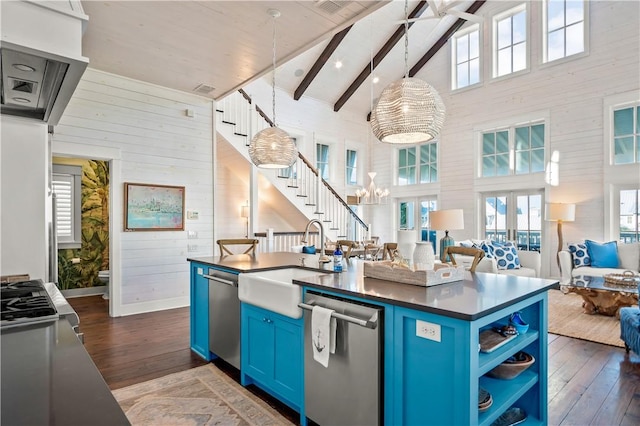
[[37, 85], [41, 60]]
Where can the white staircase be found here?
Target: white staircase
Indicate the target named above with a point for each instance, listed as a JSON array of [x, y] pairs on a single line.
[[237, 120]]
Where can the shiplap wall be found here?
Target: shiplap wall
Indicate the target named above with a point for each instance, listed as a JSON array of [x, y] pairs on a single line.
[[157, 143]]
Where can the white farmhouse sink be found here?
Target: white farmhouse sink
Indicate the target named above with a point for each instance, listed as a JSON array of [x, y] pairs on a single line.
[[274, 290]]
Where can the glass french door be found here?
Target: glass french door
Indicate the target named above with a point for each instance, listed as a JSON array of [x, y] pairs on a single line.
[[514, 216]]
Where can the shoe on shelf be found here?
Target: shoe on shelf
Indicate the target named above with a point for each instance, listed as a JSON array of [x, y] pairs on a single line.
[[512, 416], [517, 321]]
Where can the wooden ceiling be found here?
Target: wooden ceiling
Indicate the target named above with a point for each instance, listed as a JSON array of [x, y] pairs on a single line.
[[228, 44]]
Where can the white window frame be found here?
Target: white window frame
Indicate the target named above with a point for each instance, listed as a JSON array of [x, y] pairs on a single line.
[[72, 175], [545, 36], [511, 131], [355, 167], [494, 48], [417, 174], [328, 162], [616, 176], [454, 57]]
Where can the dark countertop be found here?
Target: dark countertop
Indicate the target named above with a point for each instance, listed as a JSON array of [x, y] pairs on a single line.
[[478, 295], [48, 378]]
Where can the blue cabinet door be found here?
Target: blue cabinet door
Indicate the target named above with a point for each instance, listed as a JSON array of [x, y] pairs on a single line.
[[257, 351], [288, 370], [199, 311]]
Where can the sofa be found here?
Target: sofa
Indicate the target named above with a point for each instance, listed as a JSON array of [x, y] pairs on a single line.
[[578, 259], [529, 261]]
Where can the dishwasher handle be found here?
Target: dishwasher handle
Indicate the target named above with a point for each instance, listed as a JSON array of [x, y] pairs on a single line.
[[368, 323], [221, 280]]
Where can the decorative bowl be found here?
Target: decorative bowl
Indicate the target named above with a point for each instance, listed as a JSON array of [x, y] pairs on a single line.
[[513, 366]]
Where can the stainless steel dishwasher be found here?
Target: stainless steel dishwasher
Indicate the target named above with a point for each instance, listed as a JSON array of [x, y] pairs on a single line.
[[224, 316], [350, 390]]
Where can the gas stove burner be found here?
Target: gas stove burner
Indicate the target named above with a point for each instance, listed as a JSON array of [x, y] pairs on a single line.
[[25, 302]]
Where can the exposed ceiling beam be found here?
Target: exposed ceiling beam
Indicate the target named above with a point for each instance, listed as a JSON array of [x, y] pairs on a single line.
[[320, 62], [384, 50], [444, 39]]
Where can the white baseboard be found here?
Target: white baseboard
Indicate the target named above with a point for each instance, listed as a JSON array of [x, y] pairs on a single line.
[[153, 306]]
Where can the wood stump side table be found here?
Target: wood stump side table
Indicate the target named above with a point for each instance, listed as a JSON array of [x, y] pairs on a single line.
[[600, 297]]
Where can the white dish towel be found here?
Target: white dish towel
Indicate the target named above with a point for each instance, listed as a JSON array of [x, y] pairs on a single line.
[[323, 334]]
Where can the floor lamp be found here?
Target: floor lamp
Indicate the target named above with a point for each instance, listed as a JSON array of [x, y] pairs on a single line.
[[559, 212], [446, 220]]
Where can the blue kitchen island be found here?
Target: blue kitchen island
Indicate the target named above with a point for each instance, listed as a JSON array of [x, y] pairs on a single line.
[[433, 368]]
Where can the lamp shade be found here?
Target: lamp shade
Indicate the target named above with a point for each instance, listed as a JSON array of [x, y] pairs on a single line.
[[273, 148], [408, 111], [555, 212], [446, 220]]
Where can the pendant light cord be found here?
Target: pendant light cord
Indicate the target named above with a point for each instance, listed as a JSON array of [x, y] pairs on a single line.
[[273, 77], [406, 38]]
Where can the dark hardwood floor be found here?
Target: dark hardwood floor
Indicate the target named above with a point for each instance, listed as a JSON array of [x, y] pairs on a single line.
[[589, 383]]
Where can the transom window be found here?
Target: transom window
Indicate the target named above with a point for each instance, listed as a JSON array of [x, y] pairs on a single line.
[[510, 42], [322, 160], [626, 135], [565, 28], [517, 150], [352, 171], [418, 164], [466, 59]]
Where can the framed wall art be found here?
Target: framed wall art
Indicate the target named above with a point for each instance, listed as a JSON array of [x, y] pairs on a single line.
[[153, 207]]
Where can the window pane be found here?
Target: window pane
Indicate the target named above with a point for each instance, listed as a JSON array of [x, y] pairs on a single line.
[[638, 148], [519, 27], [537, 136], [504, 61], [434, 173], [463, 75], [488, 143], [474, 44], [402, 176], [488, 166], [575, 39], [555, 45], [504, 33], [519, 57], [411, 175], [502, 141], [424, 174], [575, 11], [629, 216], [623, 150], [462, 49], [502, 164], [411, 156], [522, 162], [433, 153], [555, 14], [522, 138], [424, 154], [537, 160], [402, 158], [474, 71], [623, 122]]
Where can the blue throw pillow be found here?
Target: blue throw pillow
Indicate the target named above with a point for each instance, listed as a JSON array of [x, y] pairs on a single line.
[[603, 255], [487, 247], [579, 254], [506, 255], [309, 249]]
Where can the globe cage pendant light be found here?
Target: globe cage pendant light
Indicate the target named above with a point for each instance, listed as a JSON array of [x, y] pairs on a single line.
[[273, 148], [408, 110]]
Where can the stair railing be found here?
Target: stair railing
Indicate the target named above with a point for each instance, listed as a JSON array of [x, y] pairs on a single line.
[[303, 177]]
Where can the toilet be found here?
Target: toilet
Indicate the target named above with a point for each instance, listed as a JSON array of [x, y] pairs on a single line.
[[103, 276]]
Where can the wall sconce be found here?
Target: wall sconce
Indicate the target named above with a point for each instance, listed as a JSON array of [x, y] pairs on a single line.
[[244, 212]]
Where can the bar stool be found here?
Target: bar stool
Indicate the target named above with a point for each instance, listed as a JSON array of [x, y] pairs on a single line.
[[224, 249]]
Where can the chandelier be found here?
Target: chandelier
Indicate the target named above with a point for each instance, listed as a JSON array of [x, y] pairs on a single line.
[[273, 148], [372, 194], [408, 110]]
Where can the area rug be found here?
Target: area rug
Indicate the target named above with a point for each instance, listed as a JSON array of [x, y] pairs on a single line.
[[200, 396], [566, 318]]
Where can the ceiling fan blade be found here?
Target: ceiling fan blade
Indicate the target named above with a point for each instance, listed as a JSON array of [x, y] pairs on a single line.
[[465, 16]]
